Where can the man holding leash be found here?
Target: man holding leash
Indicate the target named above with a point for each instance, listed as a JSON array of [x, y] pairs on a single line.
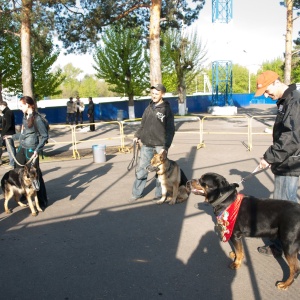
[[283, 156], [156, 133]]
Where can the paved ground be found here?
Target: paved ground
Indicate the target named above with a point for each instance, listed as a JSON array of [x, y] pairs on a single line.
[[90, 243]]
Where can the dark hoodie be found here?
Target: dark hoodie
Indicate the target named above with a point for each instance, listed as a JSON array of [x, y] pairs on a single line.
[[284, 154], [157, 126]]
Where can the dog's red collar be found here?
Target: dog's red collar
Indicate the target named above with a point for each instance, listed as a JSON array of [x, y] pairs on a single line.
[[226, 219]]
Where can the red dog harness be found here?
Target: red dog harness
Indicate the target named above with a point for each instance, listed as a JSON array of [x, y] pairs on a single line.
[[227, 218]]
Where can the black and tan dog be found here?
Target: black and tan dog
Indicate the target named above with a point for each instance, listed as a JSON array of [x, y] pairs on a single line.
[[172, 179], [256, 218], [18, 182]]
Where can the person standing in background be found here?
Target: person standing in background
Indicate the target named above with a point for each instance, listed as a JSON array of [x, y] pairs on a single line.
[[90, 114], [79, 111], [71, 110], [8, 129]]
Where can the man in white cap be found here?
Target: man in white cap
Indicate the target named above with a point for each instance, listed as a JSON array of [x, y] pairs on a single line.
[[154, 135], [283, 156]]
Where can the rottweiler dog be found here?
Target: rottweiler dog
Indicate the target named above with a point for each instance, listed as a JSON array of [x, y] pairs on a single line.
[[256, 218], [18, 182], [172, 178]]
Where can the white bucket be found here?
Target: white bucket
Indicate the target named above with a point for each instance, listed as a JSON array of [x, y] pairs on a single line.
[[99, 154]]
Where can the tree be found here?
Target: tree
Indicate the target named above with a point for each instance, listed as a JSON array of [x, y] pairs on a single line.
[[183, 54], [79, 26], [276, 65], [290, 6], [122, 61]]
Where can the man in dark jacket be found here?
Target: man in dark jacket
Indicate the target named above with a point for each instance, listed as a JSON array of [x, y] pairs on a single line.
[[155, 134], [90, 114], [8, 129], [284, 154]]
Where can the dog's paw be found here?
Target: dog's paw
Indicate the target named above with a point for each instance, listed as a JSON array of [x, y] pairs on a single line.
[[34, 214], [232, 255], [234, 266], [282, 285], [8, 211]]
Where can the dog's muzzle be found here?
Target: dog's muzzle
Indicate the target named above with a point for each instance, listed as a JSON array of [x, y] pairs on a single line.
[[36, 185], [151, 168]]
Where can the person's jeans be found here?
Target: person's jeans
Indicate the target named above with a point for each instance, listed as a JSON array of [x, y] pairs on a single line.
[[11, 151], [145, 156], [286, 187]]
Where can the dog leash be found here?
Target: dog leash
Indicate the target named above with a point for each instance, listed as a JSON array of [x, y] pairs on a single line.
[[256, 171], [32, 158], [135, 155]]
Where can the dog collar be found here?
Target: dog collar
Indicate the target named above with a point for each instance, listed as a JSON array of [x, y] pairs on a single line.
[[226, 219]]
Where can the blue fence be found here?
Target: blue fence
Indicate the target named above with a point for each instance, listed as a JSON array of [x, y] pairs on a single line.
[[109, 111]]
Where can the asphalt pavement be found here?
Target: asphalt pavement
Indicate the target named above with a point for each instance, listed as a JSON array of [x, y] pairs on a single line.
[[91, 243]]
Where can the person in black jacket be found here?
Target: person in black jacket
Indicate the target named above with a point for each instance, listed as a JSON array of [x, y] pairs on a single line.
[[8, 129], [283, 156], [155, 134], [90, 114]]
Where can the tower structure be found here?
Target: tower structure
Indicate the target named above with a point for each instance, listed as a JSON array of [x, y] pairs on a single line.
[[222, 70], [222, 83], [221, 11]]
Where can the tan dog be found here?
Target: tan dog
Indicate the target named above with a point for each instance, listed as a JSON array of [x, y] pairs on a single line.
[[173, 180]]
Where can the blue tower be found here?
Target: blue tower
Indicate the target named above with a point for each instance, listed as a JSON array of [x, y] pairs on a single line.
[[221, 11], [222, 83]]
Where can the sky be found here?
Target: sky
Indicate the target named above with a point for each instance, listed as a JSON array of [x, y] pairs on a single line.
[[255, 34]]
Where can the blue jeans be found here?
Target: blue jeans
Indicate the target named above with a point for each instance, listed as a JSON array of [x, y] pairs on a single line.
[[11, 151], [141, 174], [286, 187]]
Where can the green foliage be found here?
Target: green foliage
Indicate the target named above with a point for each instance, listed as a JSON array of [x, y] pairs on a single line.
[[79, 29], [45, 82], [276, 65], [182, 58], [122, 61]]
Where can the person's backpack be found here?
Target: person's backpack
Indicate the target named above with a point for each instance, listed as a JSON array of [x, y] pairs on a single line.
[[45, 121]]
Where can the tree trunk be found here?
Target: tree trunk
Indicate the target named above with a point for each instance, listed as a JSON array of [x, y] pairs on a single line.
[[288, 42], [154, 37], [1, 99], [25, 48]]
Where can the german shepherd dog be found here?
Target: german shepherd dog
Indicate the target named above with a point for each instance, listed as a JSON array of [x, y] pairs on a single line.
[[256, 218], [173, 180], [18, 182]]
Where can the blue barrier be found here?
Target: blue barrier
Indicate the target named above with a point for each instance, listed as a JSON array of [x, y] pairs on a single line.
[[109, 111]]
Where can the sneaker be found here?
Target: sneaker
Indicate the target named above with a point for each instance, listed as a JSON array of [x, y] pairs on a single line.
[[134, 198], [156, 198], [270, 250]]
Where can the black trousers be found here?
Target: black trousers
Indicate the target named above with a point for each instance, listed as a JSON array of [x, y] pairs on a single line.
[[23, 156]]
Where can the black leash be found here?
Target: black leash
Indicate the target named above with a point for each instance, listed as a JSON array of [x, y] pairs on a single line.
[[135, 156]]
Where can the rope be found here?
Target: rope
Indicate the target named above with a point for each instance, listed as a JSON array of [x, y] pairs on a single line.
[[32, 158]]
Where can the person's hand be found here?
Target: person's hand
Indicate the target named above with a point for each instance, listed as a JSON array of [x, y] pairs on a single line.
[[35, 154], [135, 140], [263, 164], [7, 137]]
